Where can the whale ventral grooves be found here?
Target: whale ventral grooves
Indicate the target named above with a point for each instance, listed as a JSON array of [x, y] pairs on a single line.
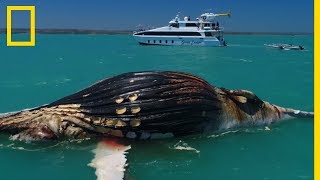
[[144, 105], [162, 101]]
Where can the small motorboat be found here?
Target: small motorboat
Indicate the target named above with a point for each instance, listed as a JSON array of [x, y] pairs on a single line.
[[285, 46]]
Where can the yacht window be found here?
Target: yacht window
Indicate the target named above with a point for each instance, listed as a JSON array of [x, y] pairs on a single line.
[[166, 41], [191, 25], [176, 25], [208, 33], [148, 41], [168, 33], [172, 41], [160, 41], [154, 41]]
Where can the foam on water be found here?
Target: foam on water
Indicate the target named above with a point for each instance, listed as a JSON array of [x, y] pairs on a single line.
[[183, 146]]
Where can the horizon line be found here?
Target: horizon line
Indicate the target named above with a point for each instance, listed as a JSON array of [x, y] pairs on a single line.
[[128, 31]]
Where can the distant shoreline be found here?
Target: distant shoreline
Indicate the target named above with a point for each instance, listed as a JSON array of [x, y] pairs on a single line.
[[111, 32]]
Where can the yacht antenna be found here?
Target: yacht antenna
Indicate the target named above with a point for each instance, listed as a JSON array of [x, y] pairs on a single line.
[[177, 17]]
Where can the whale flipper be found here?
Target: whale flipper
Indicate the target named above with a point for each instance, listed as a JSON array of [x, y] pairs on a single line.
[[110, 160]]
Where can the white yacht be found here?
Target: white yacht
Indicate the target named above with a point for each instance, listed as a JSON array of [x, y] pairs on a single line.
[[204, 31]]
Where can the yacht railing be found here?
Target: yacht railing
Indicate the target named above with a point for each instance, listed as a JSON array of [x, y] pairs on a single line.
[[139, 30], [213, 28]]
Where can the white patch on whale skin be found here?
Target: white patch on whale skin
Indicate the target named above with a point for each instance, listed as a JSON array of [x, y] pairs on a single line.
[[110, 160]]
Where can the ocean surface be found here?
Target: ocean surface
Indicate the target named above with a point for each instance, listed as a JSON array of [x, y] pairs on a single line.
[[63, 64]]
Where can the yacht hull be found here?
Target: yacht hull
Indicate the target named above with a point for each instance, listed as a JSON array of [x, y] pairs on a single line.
[[178, 41]]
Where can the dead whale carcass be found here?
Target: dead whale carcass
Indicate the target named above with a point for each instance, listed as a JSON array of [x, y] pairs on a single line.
[[144, 105]]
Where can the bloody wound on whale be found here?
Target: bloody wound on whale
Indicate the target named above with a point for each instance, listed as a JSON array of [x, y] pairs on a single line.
[[144, 105]]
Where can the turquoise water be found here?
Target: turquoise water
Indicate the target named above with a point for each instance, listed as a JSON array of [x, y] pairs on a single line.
[[62, 64]]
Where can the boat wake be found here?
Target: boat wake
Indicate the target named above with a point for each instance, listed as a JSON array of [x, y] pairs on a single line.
[[244, 45]]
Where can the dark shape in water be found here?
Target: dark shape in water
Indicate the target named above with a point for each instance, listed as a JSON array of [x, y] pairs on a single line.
[[144, 105]]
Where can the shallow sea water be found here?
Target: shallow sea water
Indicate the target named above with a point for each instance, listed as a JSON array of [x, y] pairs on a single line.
[[62, 64]]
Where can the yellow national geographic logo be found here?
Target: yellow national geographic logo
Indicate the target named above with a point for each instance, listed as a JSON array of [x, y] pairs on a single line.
[[32, 26]]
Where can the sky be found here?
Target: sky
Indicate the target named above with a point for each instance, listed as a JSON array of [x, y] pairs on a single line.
[[247, 15]]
